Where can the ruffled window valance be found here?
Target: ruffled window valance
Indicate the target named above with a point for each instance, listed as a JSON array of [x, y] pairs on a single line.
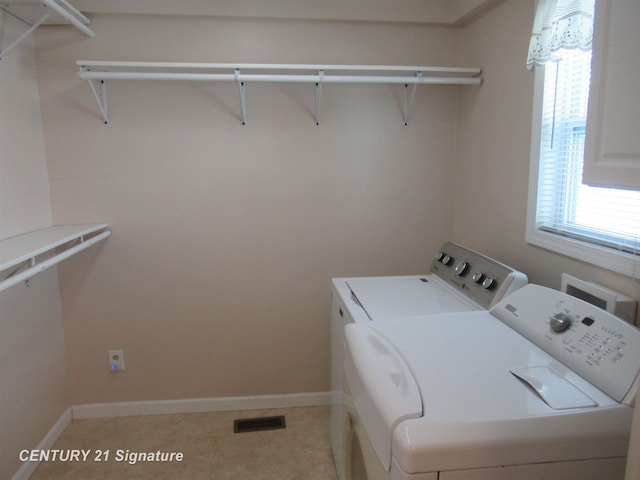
[[560, 24]]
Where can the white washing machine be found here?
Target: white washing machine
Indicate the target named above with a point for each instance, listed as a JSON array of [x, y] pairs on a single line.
[[459, 280], [540, 386]]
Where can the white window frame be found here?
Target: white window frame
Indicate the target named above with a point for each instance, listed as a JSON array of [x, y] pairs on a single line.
[[619, 262]]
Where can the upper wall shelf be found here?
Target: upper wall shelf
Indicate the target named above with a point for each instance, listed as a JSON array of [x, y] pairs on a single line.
[[98, 72], [23, 256], [35, 13]]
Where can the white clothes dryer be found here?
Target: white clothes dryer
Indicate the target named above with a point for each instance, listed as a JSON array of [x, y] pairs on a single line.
[[541, 386], [460, 280]]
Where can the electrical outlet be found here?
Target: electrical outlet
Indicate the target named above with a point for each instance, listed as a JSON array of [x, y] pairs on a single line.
[[116, 360]]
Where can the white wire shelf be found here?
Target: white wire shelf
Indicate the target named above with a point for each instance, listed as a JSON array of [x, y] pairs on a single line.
[[35, 13], [97, 73], [26, 255]]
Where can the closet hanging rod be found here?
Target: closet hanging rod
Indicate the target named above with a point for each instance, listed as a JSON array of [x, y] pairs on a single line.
[[238, 73], [280, 66], [62, 8], [97, 73], [83, 18], [278, 78], [50, 262], [71, 14]]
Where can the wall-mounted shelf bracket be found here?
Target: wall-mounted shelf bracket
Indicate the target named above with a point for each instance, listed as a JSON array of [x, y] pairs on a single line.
[[408, 98], [243, 96], [24, 35], [99, 89], [37, 13], [281, 73], [27, 255], [318, 95]]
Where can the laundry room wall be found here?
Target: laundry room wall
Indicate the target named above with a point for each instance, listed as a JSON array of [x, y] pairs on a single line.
[[215, 281], [494, 140], [33, 380]]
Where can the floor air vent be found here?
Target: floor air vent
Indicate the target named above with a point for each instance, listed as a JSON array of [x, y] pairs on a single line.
[[258, 424]]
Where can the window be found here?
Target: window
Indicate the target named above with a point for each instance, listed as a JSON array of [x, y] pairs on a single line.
[[597, 225]]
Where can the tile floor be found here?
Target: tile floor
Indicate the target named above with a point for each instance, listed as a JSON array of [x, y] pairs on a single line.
[[209, 447]]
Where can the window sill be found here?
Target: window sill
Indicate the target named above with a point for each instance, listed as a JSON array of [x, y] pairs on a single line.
[[618, 262]]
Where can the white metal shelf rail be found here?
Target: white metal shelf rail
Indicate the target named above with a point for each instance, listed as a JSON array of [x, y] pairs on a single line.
[[43, 10], [27, 255], [98, 72]]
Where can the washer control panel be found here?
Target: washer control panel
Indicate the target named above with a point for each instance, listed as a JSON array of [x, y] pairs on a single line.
[[481, 278], [602, 348]]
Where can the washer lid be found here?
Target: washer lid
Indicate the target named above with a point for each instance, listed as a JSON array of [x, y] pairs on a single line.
[[386, 298], [477, 413], [462, 365]]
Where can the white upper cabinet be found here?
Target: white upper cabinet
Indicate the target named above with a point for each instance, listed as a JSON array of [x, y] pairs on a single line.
[[612, 150]]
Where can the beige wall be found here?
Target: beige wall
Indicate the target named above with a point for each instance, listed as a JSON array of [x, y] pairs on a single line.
[[492, 165], [24, 187], [216, 279], [433, 12], [33, 380], [215, 282]]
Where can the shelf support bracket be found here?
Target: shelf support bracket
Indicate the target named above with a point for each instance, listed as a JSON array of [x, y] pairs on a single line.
[[318, 95], [101, 97], [24, 35], [243, 97], [408, 98]]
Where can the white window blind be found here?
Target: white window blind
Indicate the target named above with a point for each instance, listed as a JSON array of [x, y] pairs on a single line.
[[596, 225], [606, 217]]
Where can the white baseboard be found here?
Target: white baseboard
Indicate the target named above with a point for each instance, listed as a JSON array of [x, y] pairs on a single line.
[[195, 405], [27, 468]]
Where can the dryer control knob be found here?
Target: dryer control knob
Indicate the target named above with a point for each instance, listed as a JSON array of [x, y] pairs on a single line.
[[560, 322], [477, 277], [440, 256], [461, 268], [488, 283], [447, 260]]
